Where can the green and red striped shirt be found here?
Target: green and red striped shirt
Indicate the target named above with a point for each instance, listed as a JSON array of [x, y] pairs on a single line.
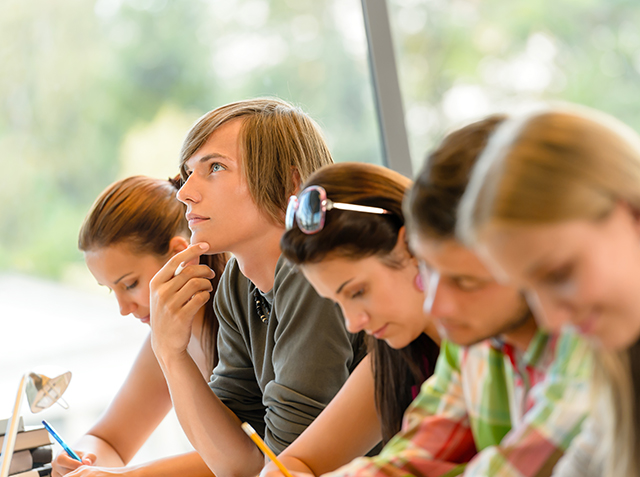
[[490, 410]]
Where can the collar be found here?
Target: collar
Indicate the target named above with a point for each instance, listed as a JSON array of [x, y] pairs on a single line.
[[532, 357]]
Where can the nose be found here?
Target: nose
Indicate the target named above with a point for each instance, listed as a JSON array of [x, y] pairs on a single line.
[[551, 313], [187, 192], [437, 300], [356, 320], [440, 301], [126, 306]]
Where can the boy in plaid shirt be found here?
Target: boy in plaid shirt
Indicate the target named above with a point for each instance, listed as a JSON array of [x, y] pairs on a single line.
[[506, 399]]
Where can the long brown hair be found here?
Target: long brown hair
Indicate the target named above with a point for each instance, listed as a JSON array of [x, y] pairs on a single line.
[[279, 142], [356, 236], [560, 164], [144, 214]]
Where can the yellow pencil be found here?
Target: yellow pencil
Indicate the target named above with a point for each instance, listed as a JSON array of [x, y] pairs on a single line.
[[251, 432]]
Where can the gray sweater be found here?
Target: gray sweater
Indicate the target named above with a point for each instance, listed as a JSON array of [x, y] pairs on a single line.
[[279, 374]]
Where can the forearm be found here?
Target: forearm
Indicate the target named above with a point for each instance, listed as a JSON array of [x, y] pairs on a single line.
[[212, 428], [183, 465], [106, 455], [291, 463]]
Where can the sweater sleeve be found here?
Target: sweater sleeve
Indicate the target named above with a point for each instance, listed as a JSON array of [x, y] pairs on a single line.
[[313, 355]]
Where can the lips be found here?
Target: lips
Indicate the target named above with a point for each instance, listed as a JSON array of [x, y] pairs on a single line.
[[379, 332], [195, 219], [587, 326], [144, 319]]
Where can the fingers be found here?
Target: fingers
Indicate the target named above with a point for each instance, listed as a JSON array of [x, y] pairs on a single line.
[[63, 464], [183, 296], [184, 265], [175, 298], [170, 269], [196, 302], [190, 272]]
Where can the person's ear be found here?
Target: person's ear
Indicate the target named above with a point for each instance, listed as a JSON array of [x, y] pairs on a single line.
[[401, 249], [297, 182], [177, 244]]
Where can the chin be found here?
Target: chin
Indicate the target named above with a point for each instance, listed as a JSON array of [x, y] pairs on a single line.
[[399, 342], [615, 342], [462, 339], [198, 238]]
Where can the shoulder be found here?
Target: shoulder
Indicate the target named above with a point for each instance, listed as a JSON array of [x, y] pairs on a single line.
[[232, 294], [295, 300], [290, 285], [286, 272], [232, 281], [231, 272]]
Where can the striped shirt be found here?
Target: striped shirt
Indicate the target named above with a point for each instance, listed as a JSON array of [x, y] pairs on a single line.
[[490, 410]]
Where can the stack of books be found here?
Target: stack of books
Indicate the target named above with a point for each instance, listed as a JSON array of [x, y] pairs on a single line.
[[32, 454]]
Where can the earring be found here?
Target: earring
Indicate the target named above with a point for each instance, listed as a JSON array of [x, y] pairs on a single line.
[[418, 282]]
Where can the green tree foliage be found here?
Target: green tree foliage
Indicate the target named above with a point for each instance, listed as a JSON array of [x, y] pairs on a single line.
[[86, 85], [79, 76], [460, 59]]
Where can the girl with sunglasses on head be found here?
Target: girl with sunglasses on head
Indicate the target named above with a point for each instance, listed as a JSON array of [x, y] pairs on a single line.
[[554, 205], [132, 229], [346, 234]]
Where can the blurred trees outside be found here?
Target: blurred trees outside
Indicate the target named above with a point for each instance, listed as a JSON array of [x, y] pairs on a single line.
[[463, 59], [94, 91]]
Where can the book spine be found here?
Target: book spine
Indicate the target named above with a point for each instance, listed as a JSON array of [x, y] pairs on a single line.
[[4, 423], [20, 462], [41, 455], [44, 471]]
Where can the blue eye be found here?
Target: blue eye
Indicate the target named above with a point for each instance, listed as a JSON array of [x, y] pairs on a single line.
[[216, 167]]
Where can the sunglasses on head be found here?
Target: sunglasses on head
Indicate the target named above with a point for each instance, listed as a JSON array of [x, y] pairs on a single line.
[[309, 209]]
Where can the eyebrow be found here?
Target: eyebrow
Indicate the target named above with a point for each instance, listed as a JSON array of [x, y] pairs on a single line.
[[342, 286], [203, 159], [469, 277], [118, 280]]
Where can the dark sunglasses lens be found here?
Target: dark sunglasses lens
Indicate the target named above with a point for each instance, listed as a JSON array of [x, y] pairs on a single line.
[[309, 211], [291, 212]]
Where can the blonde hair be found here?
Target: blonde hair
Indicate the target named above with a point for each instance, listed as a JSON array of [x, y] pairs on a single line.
[[614, 410], [555, 165], [278, 141]]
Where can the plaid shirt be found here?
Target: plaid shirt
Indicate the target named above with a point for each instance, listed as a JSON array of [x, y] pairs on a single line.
[[462, 420]]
